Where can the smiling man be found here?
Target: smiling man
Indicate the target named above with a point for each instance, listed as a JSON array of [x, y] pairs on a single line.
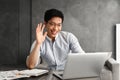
[[53, 45]]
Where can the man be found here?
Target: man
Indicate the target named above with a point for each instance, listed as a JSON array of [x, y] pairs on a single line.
[[54, 44]]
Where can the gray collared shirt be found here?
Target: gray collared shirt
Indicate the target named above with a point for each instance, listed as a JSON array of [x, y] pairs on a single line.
[[55, 53]]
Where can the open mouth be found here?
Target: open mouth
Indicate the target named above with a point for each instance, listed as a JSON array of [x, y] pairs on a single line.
[[53, 32]]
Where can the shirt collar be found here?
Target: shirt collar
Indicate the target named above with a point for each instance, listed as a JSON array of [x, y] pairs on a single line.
[[50, 38]]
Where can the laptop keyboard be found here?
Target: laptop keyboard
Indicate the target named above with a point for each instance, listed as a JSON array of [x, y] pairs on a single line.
[[61, 74]]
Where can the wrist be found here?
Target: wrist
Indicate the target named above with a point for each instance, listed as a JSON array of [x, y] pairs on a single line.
[[38, 44]]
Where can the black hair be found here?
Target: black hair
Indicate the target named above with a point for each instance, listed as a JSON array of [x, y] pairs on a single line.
[[53, 13]]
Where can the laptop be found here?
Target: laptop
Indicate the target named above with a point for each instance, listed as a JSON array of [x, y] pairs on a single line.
[[83, 65]]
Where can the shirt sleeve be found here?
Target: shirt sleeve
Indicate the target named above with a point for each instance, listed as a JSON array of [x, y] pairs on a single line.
[[74, 44]]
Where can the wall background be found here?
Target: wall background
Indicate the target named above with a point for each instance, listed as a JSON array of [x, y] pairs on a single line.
[[14, 31], [91, 21], [9, 31]]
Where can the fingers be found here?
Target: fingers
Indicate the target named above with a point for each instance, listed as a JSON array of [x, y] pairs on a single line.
[[43, 26], [37, 29], [40, 27]]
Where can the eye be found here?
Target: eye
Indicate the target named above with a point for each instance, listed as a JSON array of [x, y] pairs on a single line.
[[59, 25], [52, 24]]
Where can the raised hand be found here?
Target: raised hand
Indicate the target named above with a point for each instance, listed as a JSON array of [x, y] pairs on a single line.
[[40, 37]]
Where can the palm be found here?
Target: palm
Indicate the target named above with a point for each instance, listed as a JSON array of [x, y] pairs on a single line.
[[40, 37]]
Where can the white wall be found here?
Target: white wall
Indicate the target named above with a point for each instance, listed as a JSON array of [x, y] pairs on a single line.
[[118, 42]]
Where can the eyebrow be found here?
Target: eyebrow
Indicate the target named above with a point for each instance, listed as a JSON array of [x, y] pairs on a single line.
[[54, 22]]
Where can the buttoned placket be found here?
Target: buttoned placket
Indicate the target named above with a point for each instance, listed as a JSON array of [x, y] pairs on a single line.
[[54, 53], [53, 49]]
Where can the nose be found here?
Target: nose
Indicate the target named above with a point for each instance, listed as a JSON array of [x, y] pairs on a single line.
[[55, 27]]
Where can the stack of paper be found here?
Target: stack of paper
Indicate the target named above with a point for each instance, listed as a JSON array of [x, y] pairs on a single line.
[[14, 74], [33, 72], [8, 74]]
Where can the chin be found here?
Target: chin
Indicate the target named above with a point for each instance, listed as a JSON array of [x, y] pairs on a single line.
[[53, 35]]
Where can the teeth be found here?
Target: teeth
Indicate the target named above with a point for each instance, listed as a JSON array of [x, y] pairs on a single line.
[[53, 33]]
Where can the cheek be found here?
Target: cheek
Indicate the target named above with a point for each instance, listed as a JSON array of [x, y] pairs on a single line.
[[48, 28], [59, 29]]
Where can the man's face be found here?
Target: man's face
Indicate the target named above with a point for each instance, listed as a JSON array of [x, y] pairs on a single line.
[[53, 27]]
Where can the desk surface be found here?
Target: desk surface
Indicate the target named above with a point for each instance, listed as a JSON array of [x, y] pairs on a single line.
[[48, 76], [41, 77]]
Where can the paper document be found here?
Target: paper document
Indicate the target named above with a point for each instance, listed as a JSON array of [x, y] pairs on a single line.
[[14, 74], [33, 72], [8, 74]]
